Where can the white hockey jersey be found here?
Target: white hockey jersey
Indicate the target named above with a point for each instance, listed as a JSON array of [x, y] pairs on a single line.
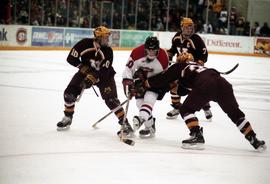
[[138, 60]]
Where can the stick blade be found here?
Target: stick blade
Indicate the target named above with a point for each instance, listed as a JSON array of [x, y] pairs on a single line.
[[94, 126], [230, 71], [129, 142]]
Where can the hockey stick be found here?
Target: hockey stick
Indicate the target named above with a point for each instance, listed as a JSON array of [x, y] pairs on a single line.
[[95, 91], [83, 88], [230, 71], [112, 111], [122, 138]]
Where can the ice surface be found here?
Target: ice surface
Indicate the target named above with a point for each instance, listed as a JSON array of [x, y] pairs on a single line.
[[33, 152]]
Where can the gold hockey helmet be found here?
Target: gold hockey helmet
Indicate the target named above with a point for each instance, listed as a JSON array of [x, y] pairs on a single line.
[[187, 22], [101, 35], [101, 31], [187, 27]]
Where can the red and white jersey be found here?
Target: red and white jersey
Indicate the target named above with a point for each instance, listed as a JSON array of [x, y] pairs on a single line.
[[138, 60]]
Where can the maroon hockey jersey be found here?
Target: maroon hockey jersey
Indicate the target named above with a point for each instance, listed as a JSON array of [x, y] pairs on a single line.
[[194, 45], [98, 59]]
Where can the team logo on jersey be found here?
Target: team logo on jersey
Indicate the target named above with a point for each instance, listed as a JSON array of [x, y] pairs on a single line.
[[107, 90], [21, 36]]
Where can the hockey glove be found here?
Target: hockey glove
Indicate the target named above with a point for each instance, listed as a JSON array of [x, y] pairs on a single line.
[[89, 80], [139, 88], [184, 57], [200, 62], [129, 88], [84, 69], [141, 73]]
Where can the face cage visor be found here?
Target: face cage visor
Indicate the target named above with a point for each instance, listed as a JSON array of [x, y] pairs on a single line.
[[187, 31], [103, 40], [151, 54]]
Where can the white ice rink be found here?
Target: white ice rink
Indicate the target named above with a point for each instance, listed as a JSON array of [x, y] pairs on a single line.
[[33, 152]]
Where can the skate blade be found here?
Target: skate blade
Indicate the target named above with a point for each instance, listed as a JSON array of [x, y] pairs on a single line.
[[63, 128], [125, 135], [172, 117], [261, 148], [146, 136], [128, 142], [196, 146]]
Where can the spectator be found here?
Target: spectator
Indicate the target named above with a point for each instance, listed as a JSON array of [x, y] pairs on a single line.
[[23, 16], [222, 21], [217, 7], [212, 19], [5, 13], [116, 20], [246, 28], [265, 30], [256, 29], [240, 26], [233, 20], [200, 7], [74, 18], [159, 25], [85, 23], [207, 28]]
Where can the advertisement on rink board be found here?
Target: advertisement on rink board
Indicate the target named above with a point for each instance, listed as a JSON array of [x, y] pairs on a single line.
[[131, 39], [231, 44], [115, 38], [72, 36], [14, 35], [262, 45], [46, 36], [25, 36]]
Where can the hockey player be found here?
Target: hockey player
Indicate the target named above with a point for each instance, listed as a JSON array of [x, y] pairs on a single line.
[[147, 59], [187, 46], [205, 85], [94, 58]]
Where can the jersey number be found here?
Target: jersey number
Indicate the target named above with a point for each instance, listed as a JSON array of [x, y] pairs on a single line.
[[74, 53], [107, 64], [196, 68], [130, 64]]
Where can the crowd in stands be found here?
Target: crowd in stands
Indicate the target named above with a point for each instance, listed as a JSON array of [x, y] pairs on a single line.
[[91, 13]]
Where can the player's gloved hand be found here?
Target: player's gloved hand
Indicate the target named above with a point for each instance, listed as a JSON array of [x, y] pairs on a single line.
[[141, 73], [89, 80], [184, 57], [129, 88], [84, 69], [200, 62], [140, 89]]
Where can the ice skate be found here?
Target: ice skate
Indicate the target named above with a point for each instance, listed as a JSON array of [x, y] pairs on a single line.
[[259, 145], [64, 124], [173, 114], [148, 132], [126, 129], [137, 122], [196, 141]]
